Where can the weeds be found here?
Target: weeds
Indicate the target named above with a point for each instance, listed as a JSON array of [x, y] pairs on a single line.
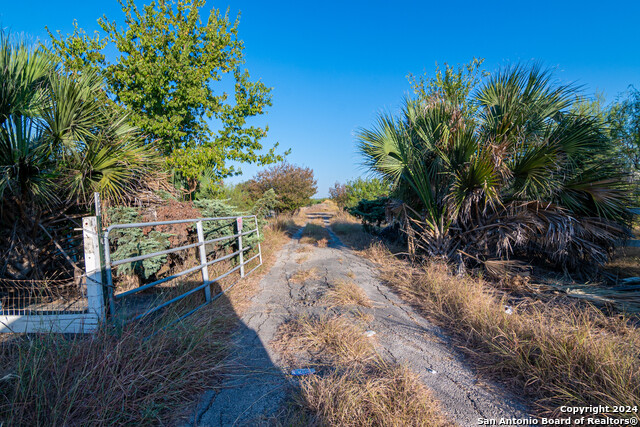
[[315, 234], [140, 375], [561, 355], [359, 388], [348, 293], [377, 394], [302, 276], [111, 379], [332, 340]]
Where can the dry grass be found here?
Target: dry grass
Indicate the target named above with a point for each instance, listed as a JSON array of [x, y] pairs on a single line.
[[347, 293], [315, 234], [560, 355], [625, 263], [114, 379], [351, 275], [364, 317], [139, 375], [359, 389], [372, 395], [302, 276], [328, 341], [302, 259]]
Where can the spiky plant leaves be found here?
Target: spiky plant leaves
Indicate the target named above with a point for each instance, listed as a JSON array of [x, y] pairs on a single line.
[[523, 177]]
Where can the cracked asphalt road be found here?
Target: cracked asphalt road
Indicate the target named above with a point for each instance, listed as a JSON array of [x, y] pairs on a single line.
[[259, 384]]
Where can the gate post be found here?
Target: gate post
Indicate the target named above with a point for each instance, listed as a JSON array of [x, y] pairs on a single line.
[[203, 261], [93, 267], [239, 226], [258, 233]]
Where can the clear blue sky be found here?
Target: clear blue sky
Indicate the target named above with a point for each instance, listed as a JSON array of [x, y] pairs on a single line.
[[334, 65]]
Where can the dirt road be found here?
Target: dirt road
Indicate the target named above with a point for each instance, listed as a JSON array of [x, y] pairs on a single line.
[[259, 384]]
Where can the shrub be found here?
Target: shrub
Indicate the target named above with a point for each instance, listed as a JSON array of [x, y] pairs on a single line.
[[294, 185], [131, 242], [517, 175], [371, 212], [348, 195]]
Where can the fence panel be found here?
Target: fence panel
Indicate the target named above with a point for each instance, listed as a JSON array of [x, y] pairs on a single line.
[[152, 296], [58, 305]]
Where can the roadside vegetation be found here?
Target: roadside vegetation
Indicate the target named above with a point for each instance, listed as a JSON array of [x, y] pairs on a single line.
[[554, 349], [356, 386], [506, 193], [145, 373]]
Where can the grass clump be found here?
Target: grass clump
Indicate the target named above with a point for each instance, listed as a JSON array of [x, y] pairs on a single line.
[[302, 276], [348, 293], [315, 234], [558, 354], [332, 340], [109, 378], [377, 394], [357, 388]]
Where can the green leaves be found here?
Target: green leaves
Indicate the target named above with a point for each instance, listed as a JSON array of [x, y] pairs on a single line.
[[492, 179], [57, 126], [165, 76]]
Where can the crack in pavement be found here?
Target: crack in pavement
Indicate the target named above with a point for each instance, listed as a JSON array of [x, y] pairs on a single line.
[[401, 338]]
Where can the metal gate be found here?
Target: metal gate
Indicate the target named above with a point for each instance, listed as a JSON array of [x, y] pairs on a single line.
[[237, 257]]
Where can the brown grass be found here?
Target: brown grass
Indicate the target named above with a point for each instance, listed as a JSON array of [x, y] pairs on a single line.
[[347, 293], [625, 263], [328, 340], [302, 258], [139, 375], [115, 379], [560, 355], [373, 395], [315, 234], [301, 276], [360, 389]]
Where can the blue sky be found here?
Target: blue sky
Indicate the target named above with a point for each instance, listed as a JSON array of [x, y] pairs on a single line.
[[334, 65]]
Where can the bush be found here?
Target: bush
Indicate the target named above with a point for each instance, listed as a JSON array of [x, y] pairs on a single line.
[[131, 242], [371, 212], [348, 195], [294, 185]]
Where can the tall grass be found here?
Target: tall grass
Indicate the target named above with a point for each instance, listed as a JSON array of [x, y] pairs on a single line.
[[559, 354], [111, 378], [142, 374], [356, 387]]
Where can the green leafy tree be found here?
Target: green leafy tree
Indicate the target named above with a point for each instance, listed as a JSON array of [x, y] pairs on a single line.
[[521, 176], [294, 185], [54, 128], [624, 119], [349, 194], [454, 85], [167, 65]]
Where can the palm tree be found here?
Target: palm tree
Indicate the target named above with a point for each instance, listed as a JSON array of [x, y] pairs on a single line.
[[522, 176], [55, 126], [59, 142]]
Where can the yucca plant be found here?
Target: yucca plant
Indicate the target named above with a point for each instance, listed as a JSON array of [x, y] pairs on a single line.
[[522, 176]]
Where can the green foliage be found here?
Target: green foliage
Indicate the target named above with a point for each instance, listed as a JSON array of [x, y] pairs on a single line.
[[294, 185], [624, 119], [371, 212], [167, 67], [348, 195], [217, 208], [454, 86], [131, 242], [521, 175], [55, 129]]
